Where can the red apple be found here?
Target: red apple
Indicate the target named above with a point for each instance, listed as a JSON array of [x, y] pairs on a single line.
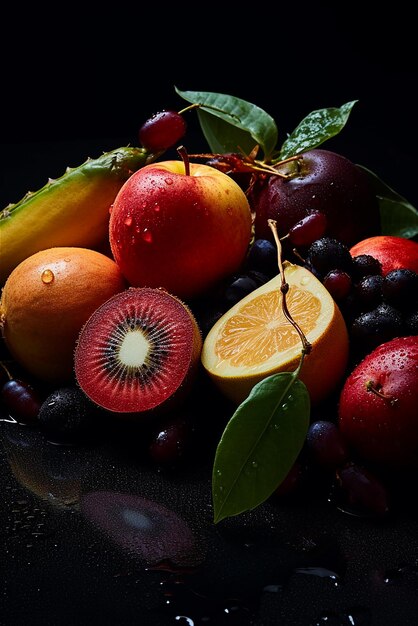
[[378, 405], [322, 181], [184, 232], [392, 252]]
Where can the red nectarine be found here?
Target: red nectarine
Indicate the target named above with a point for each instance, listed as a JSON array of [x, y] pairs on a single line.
[[392, 252]]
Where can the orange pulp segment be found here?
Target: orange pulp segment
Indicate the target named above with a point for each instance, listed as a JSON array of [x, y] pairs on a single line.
[[254, 339]]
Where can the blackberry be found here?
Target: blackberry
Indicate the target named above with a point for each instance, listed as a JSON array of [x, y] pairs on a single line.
[[328, 254], [368, 292], [365, 265], [372, 328], [67, 414], [400, 289]]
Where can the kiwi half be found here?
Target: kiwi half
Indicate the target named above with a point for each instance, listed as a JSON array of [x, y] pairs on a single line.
[[138, 351]]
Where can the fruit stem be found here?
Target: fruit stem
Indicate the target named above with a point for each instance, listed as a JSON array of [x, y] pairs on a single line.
[[284, 288], [189, 108], [298, 255], [247, 165], [183, 153], [10, 377], [371, 386]]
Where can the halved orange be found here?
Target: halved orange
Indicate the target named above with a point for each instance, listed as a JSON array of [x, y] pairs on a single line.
[[254, 339]]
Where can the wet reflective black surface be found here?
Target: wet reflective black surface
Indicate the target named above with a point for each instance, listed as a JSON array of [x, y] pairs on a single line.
[[92, 534]]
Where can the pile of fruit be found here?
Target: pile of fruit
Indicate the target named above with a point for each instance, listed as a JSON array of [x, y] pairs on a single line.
[[280, 279]]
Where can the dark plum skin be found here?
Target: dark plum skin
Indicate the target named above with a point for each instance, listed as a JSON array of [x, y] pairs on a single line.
[[326, 182]]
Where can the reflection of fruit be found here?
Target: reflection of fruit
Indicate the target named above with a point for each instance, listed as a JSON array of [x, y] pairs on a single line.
[[38, 466], [378, 404], [253, 339], [70, 211], [144, 528], [325, 182], [392, 252], [180, 232], [138, 351], [45, 302]]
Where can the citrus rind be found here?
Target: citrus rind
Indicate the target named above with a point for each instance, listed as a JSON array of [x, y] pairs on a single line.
[[253, 339]]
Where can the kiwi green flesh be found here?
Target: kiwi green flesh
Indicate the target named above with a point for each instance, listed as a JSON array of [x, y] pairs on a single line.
[[137, 350]]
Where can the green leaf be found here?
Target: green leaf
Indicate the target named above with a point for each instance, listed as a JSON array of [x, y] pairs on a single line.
[[260, 444], [398, 216], [222, 137], [243, 119], [315, 129]]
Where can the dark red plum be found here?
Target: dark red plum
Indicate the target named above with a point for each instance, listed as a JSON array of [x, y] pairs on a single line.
[[323, 181]]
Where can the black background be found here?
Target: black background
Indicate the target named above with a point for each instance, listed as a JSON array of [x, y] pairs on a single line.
[[76, 82]]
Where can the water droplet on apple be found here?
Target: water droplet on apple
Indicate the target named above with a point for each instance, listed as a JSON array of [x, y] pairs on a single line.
[[128, 220], [147, 235], [157, 207], [168, 181], [110, 208]]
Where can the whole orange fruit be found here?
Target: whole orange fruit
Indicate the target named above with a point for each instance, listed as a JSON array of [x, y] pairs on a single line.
[[45, 302]]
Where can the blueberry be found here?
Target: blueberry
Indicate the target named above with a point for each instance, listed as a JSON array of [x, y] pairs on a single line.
[[238, 289], [263, 257]]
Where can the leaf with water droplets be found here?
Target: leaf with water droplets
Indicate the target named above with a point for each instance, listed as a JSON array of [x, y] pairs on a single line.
[[259, 445], [315, 129]]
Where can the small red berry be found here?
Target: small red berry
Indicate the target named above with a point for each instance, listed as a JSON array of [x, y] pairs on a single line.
[[162, 131]]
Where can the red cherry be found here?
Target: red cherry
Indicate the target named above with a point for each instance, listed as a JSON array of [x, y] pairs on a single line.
[[308, 229], [21, 399], [162, 131]]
